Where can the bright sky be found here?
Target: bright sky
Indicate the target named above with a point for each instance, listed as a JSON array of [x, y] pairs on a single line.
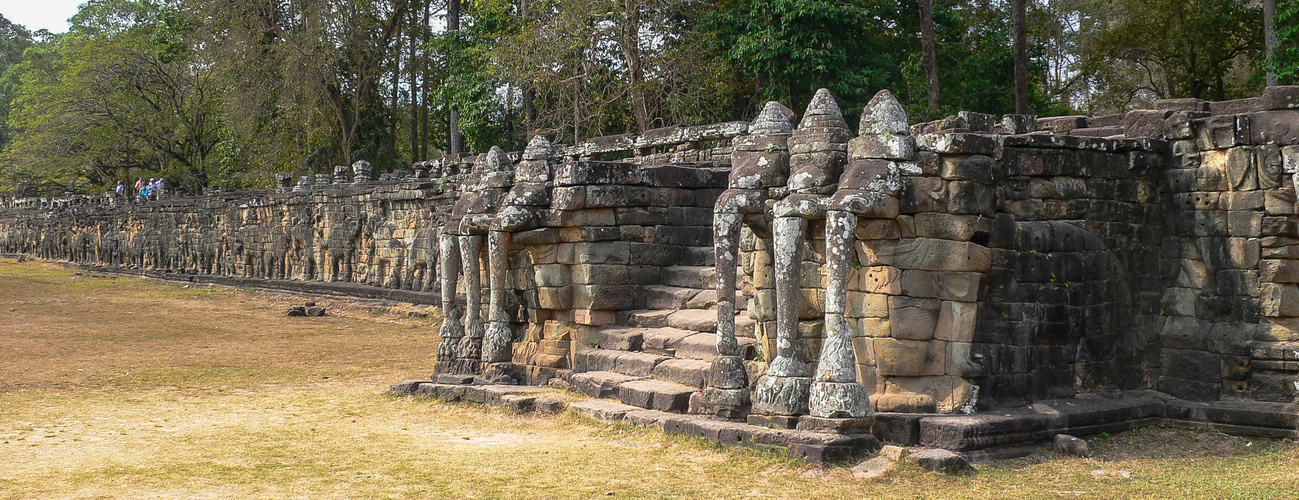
[[36, 14]]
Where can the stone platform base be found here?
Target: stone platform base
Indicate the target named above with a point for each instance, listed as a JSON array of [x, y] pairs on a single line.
[[1084, 415], [804, 445], [334, 288]]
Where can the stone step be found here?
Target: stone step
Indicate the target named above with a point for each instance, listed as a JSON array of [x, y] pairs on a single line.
[[699, 277], [636, 364], [706, 299], [691, 372], [601, 410], [666, 297], [599, 384], [664, 340], [745, 327], [620, 338], [656, 395], [698, 256], [645, 318], [698, 320], [704, 346]]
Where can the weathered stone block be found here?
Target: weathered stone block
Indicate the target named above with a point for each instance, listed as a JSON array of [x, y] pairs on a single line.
[[910, 358], [1279, 299], [977, 168], [881, 279], [912, 318], [615, 297], [1244, 223], [950, 226], [948, 285], [549, 297], [604, 252], [941, 255], [923, 194], [964, 197], [956, 321], [965, 359]]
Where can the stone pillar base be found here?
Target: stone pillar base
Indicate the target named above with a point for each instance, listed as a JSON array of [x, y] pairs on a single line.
[[497, 374], [861, 425], [782, 395], [730, 404], [453, 379], [773, 421], [839, 400]]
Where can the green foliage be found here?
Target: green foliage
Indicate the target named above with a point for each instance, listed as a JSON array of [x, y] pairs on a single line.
[[790, 48], [119, 93], [14, 40], [1193, 48], [1285, 57]]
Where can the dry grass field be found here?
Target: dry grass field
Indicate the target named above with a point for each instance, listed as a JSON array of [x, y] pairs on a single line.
[[121, 387]]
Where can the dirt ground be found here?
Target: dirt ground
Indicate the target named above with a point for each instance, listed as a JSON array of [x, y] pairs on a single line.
[[123, 387]]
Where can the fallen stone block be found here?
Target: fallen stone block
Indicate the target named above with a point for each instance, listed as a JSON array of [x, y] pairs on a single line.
[[940, 460]]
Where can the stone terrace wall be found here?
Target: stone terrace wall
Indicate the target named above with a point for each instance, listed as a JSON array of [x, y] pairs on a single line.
[[1020, 259]]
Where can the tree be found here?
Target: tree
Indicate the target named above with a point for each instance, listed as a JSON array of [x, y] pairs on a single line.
[[1284, 61], [929, 54], [14, 40], [1020, 28], [122, 90], [789, 48], [1192, 48]]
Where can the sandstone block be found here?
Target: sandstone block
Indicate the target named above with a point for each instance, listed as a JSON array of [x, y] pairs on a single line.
[[956, 321], [949, 285], [910, 358], [964, 197], [923, 194], [913, 318], [550, 297], [1276, 270], [881, 279], [604, 252], [873, 327], [615, 297], [950, 226], [1279, 299], [977, 168], [941, 255], [1246, 223], [876, 252]]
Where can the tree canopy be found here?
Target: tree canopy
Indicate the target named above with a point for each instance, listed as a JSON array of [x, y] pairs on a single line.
[[227, 92]]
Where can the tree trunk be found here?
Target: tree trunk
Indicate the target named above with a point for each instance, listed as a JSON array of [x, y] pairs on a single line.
[[414, 88], [529, 92], [1021, 55], [425, 83], [1269, 37], [929, 54], [455, 141], [635, 67]]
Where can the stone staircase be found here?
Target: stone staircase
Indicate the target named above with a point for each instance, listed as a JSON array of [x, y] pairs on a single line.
[[661, 353]]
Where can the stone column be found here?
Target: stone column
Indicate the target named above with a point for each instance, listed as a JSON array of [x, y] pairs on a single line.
[[469, 356], [452, 330], [783, 390], [497, 356], [760, 161], [868, 188], [340, 174], [836, 393], [818, 151]]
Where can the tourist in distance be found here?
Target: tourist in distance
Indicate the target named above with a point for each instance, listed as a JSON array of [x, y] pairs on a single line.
[[139, 188]]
